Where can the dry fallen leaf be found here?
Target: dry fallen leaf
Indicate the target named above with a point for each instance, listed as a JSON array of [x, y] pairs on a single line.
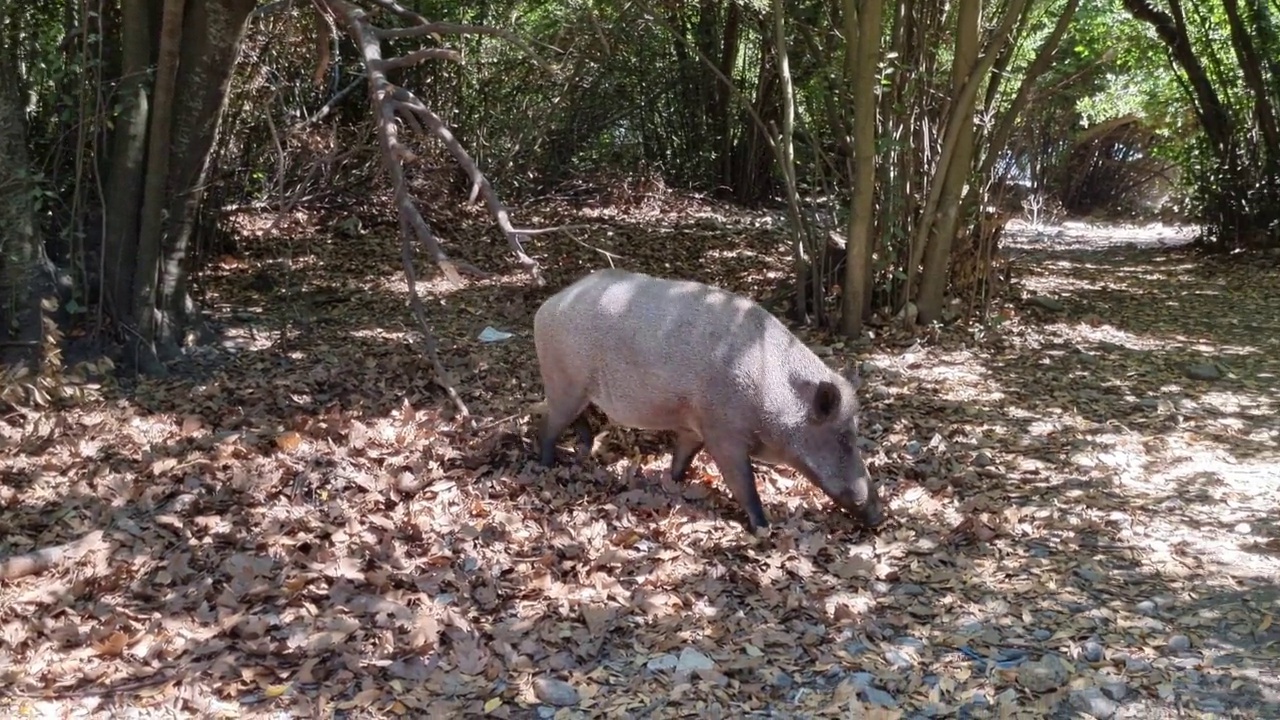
[[1073, 517]]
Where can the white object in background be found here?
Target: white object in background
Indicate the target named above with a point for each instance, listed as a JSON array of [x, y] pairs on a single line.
[[490, 335]]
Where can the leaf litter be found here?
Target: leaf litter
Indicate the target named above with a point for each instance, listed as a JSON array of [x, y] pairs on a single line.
[[297, 524]]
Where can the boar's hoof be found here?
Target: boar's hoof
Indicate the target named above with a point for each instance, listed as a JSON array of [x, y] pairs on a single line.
[[757, 522], [872, 517]]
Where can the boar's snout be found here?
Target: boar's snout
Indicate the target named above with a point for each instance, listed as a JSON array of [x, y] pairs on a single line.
[[861, 498]]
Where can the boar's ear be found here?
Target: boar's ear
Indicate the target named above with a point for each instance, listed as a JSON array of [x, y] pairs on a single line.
[[826, 402]]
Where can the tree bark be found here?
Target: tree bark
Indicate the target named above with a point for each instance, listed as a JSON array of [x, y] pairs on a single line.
[[937, 259], [147, 268], [1251, 67], [25, 271], [1208, 106], [160, 154], [955, 160], [786, 157], [863, 33]]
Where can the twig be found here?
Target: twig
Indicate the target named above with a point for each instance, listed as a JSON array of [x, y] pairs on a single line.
[[329, 106]]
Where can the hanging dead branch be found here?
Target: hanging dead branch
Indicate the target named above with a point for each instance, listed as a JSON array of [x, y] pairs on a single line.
[[393, 105]]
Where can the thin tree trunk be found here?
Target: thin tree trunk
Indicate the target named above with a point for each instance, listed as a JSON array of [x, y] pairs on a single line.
[[787, 157], [1004, 126], [128, 154], [1251, 66], [933, 280], [212, 35], [147, 271], [863, 32], [25, 278], [1213, 117], [954, 163]]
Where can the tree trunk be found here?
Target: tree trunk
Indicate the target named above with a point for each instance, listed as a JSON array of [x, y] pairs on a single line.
[[1213, 118], [196, 46], [786, 157], [955, 160], [25, 272], [1004, 126], [856, 299], [128, 154], [937, 259], [1251, 67]]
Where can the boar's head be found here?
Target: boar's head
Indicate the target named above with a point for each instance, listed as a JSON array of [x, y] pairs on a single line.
[[826, 449]]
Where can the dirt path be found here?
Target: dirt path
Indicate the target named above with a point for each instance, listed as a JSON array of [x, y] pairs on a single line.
[[1084, 496]]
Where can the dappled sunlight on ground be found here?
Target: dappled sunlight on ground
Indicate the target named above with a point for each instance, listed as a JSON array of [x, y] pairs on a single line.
[[1081, 500]]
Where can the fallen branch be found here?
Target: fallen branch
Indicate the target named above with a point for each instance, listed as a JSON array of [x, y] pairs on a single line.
[[39, 561]]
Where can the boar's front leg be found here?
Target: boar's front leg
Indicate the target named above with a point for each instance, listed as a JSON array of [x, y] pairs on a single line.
[[687, 445], [735, 467]]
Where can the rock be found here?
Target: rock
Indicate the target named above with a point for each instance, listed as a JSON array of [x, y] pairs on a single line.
[[1178, 643], [898, 660], [862, 679], [1092, 651], [663, 662], [982, 459], [691, 660], [1092, 702], [1243, 529], [1212, 705], [1146, 607], [1115, 689], [1203, 371], [1047, 303], [555, 692], [1042, 676], [1149, 403], [1089, 574], [876, 696], [906, 641], [1087, 358], [909, 589], [1041, 634], [1136, 665], [881, 587], [546, 712]]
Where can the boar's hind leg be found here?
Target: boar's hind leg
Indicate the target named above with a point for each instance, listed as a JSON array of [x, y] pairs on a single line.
[[686, 447], [735, 468], [560, 415]]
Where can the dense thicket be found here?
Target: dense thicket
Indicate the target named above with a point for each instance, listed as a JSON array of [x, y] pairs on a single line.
[[909, 130]]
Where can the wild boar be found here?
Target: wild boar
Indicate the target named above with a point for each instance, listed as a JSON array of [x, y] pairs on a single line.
[[714, 367]]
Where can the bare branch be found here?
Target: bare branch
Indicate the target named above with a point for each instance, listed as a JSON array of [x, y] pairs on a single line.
[[329, 106], [447, 28], [399, 10], [418, 56], [479, 183]]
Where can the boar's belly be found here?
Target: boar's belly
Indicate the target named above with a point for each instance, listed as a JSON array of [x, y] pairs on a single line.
[[656, 411]]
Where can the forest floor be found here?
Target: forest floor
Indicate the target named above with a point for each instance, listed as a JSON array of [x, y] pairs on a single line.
[[1084, 499]]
